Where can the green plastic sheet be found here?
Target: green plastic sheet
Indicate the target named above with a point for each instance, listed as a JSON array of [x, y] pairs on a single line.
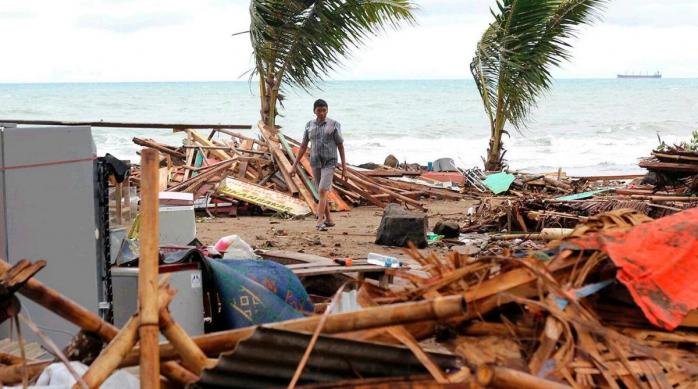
[[499, 182]]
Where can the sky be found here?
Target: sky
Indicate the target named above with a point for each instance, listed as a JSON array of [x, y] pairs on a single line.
[[185, 40]]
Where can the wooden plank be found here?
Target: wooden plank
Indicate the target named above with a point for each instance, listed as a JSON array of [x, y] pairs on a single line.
[[332, 197], [363, 180], [669, 166], [329, 263], [412, 186], [262, 196], [157, 146], [240, 136], [217, 153], [191, 155], [389, 173], [281, 161], [364, 194], [290, 257], [286, 166], [299, 169], [676, 157], [318, 271], [609, 178], [246, 144]]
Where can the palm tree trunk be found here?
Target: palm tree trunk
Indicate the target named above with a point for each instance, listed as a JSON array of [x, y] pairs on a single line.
[[494, 152]]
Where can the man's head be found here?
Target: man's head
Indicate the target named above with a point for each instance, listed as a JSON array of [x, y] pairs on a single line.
[[320, 109]]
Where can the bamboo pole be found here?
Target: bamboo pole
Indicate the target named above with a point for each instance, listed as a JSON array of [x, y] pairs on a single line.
[[88, 321], [13, 374], [148, 264], [192, 357], [373, 317], [109, 359], [64, 307], [176, 373], [665, 198], [502, 377]]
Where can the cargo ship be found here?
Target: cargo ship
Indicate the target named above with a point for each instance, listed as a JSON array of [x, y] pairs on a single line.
[[655, 75]]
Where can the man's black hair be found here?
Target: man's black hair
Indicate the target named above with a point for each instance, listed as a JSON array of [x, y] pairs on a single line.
[[319, 103]]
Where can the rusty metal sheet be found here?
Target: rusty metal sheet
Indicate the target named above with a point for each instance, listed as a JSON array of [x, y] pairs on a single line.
[[269, 359]]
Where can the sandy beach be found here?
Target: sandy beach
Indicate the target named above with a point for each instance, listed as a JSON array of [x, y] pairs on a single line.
[[353, 236]]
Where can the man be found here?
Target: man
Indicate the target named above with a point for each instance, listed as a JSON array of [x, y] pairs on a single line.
[[325, 135]]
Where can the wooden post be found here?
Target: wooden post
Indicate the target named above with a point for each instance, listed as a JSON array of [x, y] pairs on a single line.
[[148, 330], [110, 358], [126, 186], [118, 199], [192, 357], [88, 321]]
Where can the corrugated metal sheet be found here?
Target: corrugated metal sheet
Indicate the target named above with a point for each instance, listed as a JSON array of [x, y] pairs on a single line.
[[269, 358]]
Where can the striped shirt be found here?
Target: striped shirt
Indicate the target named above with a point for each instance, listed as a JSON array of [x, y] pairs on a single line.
[[324, 137]]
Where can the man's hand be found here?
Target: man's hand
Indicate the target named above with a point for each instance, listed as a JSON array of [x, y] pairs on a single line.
[[344, 173], [292, 172]]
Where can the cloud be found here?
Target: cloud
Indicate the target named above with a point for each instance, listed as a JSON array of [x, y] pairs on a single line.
[[141, 40], [132, 23], [667, 13]]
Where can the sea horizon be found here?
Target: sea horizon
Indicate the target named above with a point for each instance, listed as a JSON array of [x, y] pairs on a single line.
[[589, 126]]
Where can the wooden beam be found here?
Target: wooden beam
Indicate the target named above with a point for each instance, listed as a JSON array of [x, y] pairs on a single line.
[[159, 147], [367, 318], [128, 124]]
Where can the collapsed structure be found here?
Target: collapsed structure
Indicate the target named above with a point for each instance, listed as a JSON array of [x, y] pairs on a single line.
[[552, 282]]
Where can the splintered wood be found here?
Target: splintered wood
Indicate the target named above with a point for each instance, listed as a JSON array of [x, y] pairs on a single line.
[[526, 315], [203, 165]]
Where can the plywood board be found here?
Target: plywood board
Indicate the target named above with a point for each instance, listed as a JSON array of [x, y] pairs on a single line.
[[264, 197]]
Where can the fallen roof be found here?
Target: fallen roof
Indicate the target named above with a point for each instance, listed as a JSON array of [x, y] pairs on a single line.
[[270, 357]]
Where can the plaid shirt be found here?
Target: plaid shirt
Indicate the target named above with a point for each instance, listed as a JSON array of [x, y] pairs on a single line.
[[324, 137]]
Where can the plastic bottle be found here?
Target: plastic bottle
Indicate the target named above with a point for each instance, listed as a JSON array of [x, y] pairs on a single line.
[[382, 260]]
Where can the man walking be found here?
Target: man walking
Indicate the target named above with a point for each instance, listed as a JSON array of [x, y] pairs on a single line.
[[326, 137]]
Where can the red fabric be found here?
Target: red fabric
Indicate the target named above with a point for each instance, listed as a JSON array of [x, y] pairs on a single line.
[[658, 263]]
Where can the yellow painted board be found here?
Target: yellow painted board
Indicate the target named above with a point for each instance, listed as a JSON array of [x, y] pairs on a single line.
[[264, 197]]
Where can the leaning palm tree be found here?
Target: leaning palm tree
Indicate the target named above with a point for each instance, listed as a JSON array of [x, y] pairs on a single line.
[[297, 42], [514, 58]]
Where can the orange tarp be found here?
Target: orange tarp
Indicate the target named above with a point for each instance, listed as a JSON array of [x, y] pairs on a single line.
[[658, 263]]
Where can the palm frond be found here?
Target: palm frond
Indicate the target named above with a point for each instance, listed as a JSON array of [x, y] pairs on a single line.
[[516, 54], [300, 41]]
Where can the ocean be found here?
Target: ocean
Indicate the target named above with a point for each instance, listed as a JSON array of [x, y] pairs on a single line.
[[586, 127]]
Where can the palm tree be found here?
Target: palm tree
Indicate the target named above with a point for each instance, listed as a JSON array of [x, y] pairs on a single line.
[[297, 42], [514, 58]]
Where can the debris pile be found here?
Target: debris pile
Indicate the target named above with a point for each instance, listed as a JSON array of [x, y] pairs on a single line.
[[674, 168], [239, 170], [583, 312]]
